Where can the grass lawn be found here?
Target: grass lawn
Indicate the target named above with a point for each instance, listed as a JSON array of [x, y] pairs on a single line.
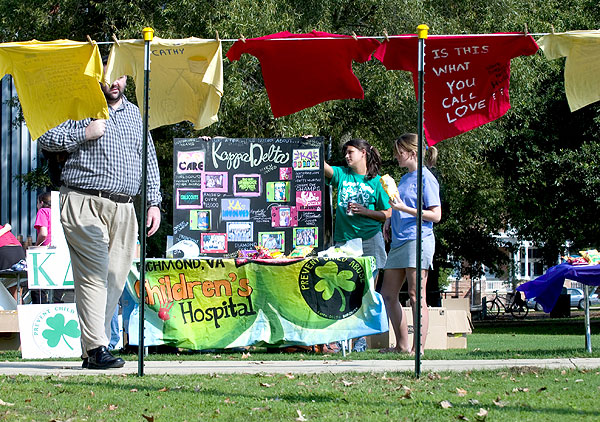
[[517, 394], [501, 339], [523, 394]]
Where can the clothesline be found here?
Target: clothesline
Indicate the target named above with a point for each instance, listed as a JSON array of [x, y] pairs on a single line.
[[377, 37], [471, 73]]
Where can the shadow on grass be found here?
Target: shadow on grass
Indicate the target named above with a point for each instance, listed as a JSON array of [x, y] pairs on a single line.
[[161, 385], [525, 354], [537, 410], [537, 328]]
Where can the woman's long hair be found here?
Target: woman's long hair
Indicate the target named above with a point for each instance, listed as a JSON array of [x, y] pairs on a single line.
[[373, 156], [409, 141], [45, 199]]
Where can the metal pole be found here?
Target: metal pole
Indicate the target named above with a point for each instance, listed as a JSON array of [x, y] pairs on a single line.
[[330, 191], [588, 334], [422, 33], [148, 36]]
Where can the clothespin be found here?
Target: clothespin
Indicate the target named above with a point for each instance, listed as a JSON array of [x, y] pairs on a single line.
[[89, 39], [354, 36], [114, 37], [526, 31], [385, 35], [242, 38], [217, 36]]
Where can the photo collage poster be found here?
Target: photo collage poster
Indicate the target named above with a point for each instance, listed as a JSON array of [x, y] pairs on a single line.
[[232, 194]]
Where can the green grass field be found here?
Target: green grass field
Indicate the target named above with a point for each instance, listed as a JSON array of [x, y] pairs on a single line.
[[518, 394], [502, 339], [523, 394]]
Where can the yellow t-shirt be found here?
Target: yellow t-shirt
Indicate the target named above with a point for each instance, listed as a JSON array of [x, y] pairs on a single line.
[[56, 81], [582, 50], [186, 78]]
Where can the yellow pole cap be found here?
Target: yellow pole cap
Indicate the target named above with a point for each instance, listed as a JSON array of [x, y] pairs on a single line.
[[422, 31], [148, 33]]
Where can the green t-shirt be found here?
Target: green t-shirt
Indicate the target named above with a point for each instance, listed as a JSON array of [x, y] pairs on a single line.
[[352, 187]]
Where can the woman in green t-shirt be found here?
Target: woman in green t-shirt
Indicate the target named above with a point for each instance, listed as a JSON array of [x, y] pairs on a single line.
[[362, 204]]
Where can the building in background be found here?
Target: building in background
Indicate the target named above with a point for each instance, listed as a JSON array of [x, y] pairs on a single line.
[[19, 155], [526, 264]]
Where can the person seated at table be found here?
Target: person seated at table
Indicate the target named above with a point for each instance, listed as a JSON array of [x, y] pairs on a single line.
[[11, 253]]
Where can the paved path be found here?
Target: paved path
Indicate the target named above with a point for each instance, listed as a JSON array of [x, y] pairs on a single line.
[[44, 368]]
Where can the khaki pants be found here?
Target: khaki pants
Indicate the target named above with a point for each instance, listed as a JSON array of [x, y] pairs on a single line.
[[102, 237]]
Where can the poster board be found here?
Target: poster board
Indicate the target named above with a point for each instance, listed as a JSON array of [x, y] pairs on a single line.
[[49, 268], [232, 194], [49, 331]]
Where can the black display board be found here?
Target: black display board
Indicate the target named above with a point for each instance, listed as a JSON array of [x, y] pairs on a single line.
[[232, 194]]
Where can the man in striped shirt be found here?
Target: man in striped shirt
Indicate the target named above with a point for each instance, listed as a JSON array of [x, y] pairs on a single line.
[[99, 180]]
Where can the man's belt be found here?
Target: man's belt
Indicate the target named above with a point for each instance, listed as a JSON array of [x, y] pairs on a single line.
[[121, 198]]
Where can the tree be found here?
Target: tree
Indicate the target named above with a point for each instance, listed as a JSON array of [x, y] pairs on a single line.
[[534, 170]]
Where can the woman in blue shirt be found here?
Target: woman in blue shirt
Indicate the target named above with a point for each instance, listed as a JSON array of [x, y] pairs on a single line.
[[401, 261]]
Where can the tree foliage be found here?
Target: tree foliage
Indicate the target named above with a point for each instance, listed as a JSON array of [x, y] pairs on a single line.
[[535, 170]]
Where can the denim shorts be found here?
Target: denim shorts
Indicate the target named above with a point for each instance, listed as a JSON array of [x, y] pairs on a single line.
[[405, 255], [374, 246]]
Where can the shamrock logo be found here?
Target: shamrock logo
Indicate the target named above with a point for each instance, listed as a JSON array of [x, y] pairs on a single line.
[[247, 184], [333, 289], [59, 330], [333, 280]]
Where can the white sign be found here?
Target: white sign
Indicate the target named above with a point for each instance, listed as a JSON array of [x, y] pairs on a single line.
[[49, 268], [49, 331]]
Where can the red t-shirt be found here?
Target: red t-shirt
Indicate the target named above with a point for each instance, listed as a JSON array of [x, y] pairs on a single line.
[[302, 73], [466, 77]]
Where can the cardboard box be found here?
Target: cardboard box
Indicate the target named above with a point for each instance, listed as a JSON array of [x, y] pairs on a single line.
[[9, 330], [457, 303], [457, 341], [436, 335], [458, 326], [379, 341], [9, 322], [10, 341]]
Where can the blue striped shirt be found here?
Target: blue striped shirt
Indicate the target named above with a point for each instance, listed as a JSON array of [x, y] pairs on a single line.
[[111, 163]]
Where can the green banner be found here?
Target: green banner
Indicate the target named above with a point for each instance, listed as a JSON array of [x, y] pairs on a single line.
[[222, 303]]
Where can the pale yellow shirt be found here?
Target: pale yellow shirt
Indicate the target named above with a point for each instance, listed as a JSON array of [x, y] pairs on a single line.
[[186, 78], [582, 50], [55, 81]]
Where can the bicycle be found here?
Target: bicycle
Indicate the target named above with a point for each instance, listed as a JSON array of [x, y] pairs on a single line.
[[517, 306]]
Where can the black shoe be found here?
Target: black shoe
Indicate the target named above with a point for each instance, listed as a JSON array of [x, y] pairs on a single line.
[[84, 364], [101, 358]]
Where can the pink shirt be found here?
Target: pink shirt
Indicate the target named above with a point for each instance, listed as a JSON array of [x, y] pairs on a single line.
[[42, 219]]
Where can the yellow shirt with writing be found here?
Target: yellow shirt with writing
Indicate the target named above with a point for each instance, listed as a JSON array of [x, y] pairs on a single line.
[[186, 78], [582, 50], [55, 81]]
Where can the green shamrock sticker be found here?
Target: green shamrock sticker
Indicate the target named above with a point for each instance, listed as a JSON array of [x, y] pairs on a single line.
[[333, 280], [59, 330], [247, 184]]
